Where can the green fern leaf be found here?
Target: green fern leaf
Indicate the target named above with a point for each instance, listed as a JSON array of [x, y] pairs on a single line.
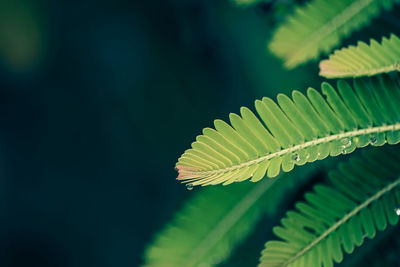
[[298, 131], [363, 60], [320, 25], [360, 200], [203, 231], [214, 221]]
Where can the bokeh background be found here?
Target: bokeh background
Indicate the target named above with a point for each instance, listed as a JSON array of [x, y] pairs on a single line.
[[98, 99]]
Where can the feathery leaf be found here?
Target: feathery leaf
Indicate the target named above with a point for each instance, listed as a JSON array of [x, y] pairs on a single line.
[[363, 60], [215, 220], [360, 199], [320, 25], [298, 131]]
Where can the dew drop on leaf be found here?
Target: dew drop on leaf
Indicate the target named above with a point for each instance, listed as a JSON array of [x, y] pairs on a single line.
[[346, 142], [296, 157], [397, 210], [189, 187], [372, 140]]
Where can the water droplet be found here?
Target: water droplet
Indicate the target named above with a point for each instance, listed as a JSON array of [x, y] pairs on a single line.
[[296, 157], [189, 187], [372, 140], [346, 142], [397, 210]]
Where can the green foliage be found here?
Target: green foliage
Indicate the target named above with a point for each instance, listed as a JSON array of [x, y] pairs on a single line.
[[319, 26], [363, 60], [203, 231], [214, 221], [361, 198], [298, 131]]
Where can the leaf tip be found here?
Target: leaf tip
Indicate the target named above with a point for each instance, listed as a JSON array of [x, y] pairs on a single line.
[[183, 172]]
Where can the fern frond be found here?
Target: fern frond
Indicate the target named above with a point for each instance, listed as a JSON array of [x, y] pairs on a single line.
[[297, 131], [363, 60], [203, 232], [360, 199], [320, 25], [214, 221]]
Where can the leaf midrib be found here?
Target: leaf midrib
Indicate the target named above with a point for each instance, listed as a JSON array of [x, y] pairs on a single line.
[[292, 149], [348, 216]]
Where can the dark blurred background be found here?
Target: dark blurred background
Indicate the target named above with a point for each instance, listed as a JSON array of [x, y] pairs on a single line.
[[98, 99]]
